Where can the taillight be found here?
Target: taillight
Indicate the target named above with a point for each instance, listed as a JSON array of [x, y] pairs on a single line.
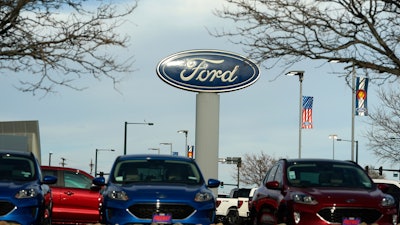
[[218, 203], [240, 203]]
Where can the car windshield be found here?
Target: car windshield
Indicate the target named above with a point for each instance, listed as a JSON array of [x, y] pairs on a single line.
[[156, 171], [327, 174], [16, 168]]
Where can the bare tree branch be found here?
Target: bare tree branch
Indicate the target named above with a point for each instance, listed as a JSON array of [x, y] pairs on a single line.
[[61, 41], [363, 33], [254, 168], [384, 134]]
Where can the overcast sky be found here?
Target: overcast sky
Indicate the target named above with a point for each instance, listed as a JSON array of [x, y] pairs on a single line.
[[261, 117]]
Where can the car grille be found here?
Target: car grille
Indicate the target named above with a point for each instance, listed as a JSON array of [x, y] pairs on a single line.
[[5, 207], [146, 211], [336, 215]]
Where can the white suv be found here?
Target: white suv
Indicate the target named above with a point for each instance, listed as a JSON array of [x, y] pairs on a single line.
[[393, 189]]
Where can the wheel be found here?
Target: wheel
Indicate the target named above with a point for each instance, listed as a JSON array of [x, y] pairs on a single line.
[[232, 218], [265, 217]]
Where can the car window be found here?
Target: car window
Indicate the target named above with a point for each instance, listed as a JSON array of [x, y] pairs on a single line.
[[272, 172], [76, 180], [279, 174], [17, 168], [327, 175], [156, 171]]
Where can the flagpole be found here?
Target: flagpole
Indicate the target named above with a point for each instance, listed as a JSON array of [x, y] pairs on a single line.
[[353, 107], [301, 77], [300, 111]]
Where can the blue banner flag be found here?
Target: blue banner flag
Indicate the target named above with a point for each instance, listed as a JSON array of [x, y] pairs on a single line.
[[361, 96]]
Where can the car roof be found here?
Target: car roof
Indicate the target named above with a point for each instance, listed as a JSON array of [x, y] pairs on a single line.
[[319, 160], [64, 169], [16, 152], [153, 156]]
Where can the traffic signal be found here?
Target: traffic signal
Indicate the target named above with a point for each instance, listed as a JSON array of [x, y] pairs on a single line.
[[380, 171], [367, 169], [221, 184]]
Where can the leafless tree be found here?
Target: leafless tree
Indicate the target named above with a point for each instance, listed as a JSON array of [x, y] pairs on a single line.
[[58, 42], [254, 168], [384, 131], [363, 33]]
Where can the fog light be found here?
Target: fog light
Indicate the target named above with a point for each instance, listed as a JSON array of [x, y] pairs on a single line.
[[296, 217]]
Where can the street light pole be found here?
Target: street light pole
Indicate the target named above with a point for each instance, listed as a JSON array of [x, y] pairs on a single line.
[[353, 108], [126, 131], [301, 78], [186, 135], [333, 137], [356, 142], [95, 159], [353, 102], [155, 149], [170, 146], [50, 153]]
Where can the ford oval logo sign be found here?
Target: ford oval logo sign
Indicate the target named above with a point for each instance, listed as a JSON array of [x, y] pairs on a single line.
[[208, 71]]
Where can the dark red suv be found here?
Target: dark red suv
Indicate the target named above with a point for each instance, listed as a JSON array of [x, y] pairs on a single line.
[[320, 192], [75, 199]]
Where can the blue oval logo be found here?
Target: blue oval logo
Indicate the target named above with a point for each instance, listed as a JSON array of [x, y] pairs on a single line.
[[208, 71]]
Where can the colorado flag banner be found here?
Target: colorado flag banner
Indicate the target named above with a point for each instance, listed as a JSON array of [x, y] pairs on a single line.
[[361, 96], [306, 121]]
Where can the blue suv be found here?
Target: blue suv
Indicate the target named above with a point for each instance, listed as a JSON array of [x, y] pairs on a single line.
[[154, 189], [25, 197]]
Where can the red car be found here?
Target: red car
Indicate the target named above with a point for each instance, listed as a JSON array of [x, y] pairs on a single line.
[[75, 199], [320, 192]]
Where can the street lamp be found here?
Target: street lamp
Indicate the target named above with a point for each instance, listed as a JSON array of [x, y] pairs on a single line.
[[170, 146], [353, 101], [339, 139], [95, 159], [301, 78], [126, 125], [155, 149], [50, 153], [333, 137], [186, 135]]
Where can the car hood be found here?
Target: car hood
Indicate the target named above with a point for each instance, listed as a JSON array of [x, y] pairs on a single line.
[[10, 188], [344, 195], [147, 192]]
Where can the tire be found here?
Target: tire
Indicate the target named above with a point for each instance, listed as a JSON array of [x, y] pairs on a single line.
[[232, 218], [265, 217]]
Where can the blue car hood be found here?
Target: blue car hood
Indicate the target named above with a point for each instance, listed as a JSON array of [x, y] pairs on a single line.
[[10, 188], [151, 192]]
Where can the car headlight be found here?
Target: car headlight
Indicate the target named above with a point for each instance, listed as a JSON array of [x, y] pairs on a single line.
[[203, 197], [118, 195], [304, 199], [388, 201], [26, 193]]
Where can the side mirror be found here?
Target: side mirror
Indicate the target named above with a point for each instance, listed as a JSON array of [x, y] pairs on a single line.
[[99, 181], [49, 180], [272, 185], [213, 183]]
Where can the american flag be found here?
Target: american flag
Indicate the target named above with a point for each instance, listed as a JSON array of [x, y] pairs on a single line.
[[306, 122]]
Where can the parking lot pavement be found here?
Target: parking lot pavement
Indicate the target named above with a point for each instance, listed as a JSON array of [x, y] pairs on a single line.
[[5, 223]]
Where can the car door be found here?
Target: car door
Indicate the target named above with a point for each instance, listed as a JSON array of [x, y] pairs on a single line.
[[77, 199], [275, 194]]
